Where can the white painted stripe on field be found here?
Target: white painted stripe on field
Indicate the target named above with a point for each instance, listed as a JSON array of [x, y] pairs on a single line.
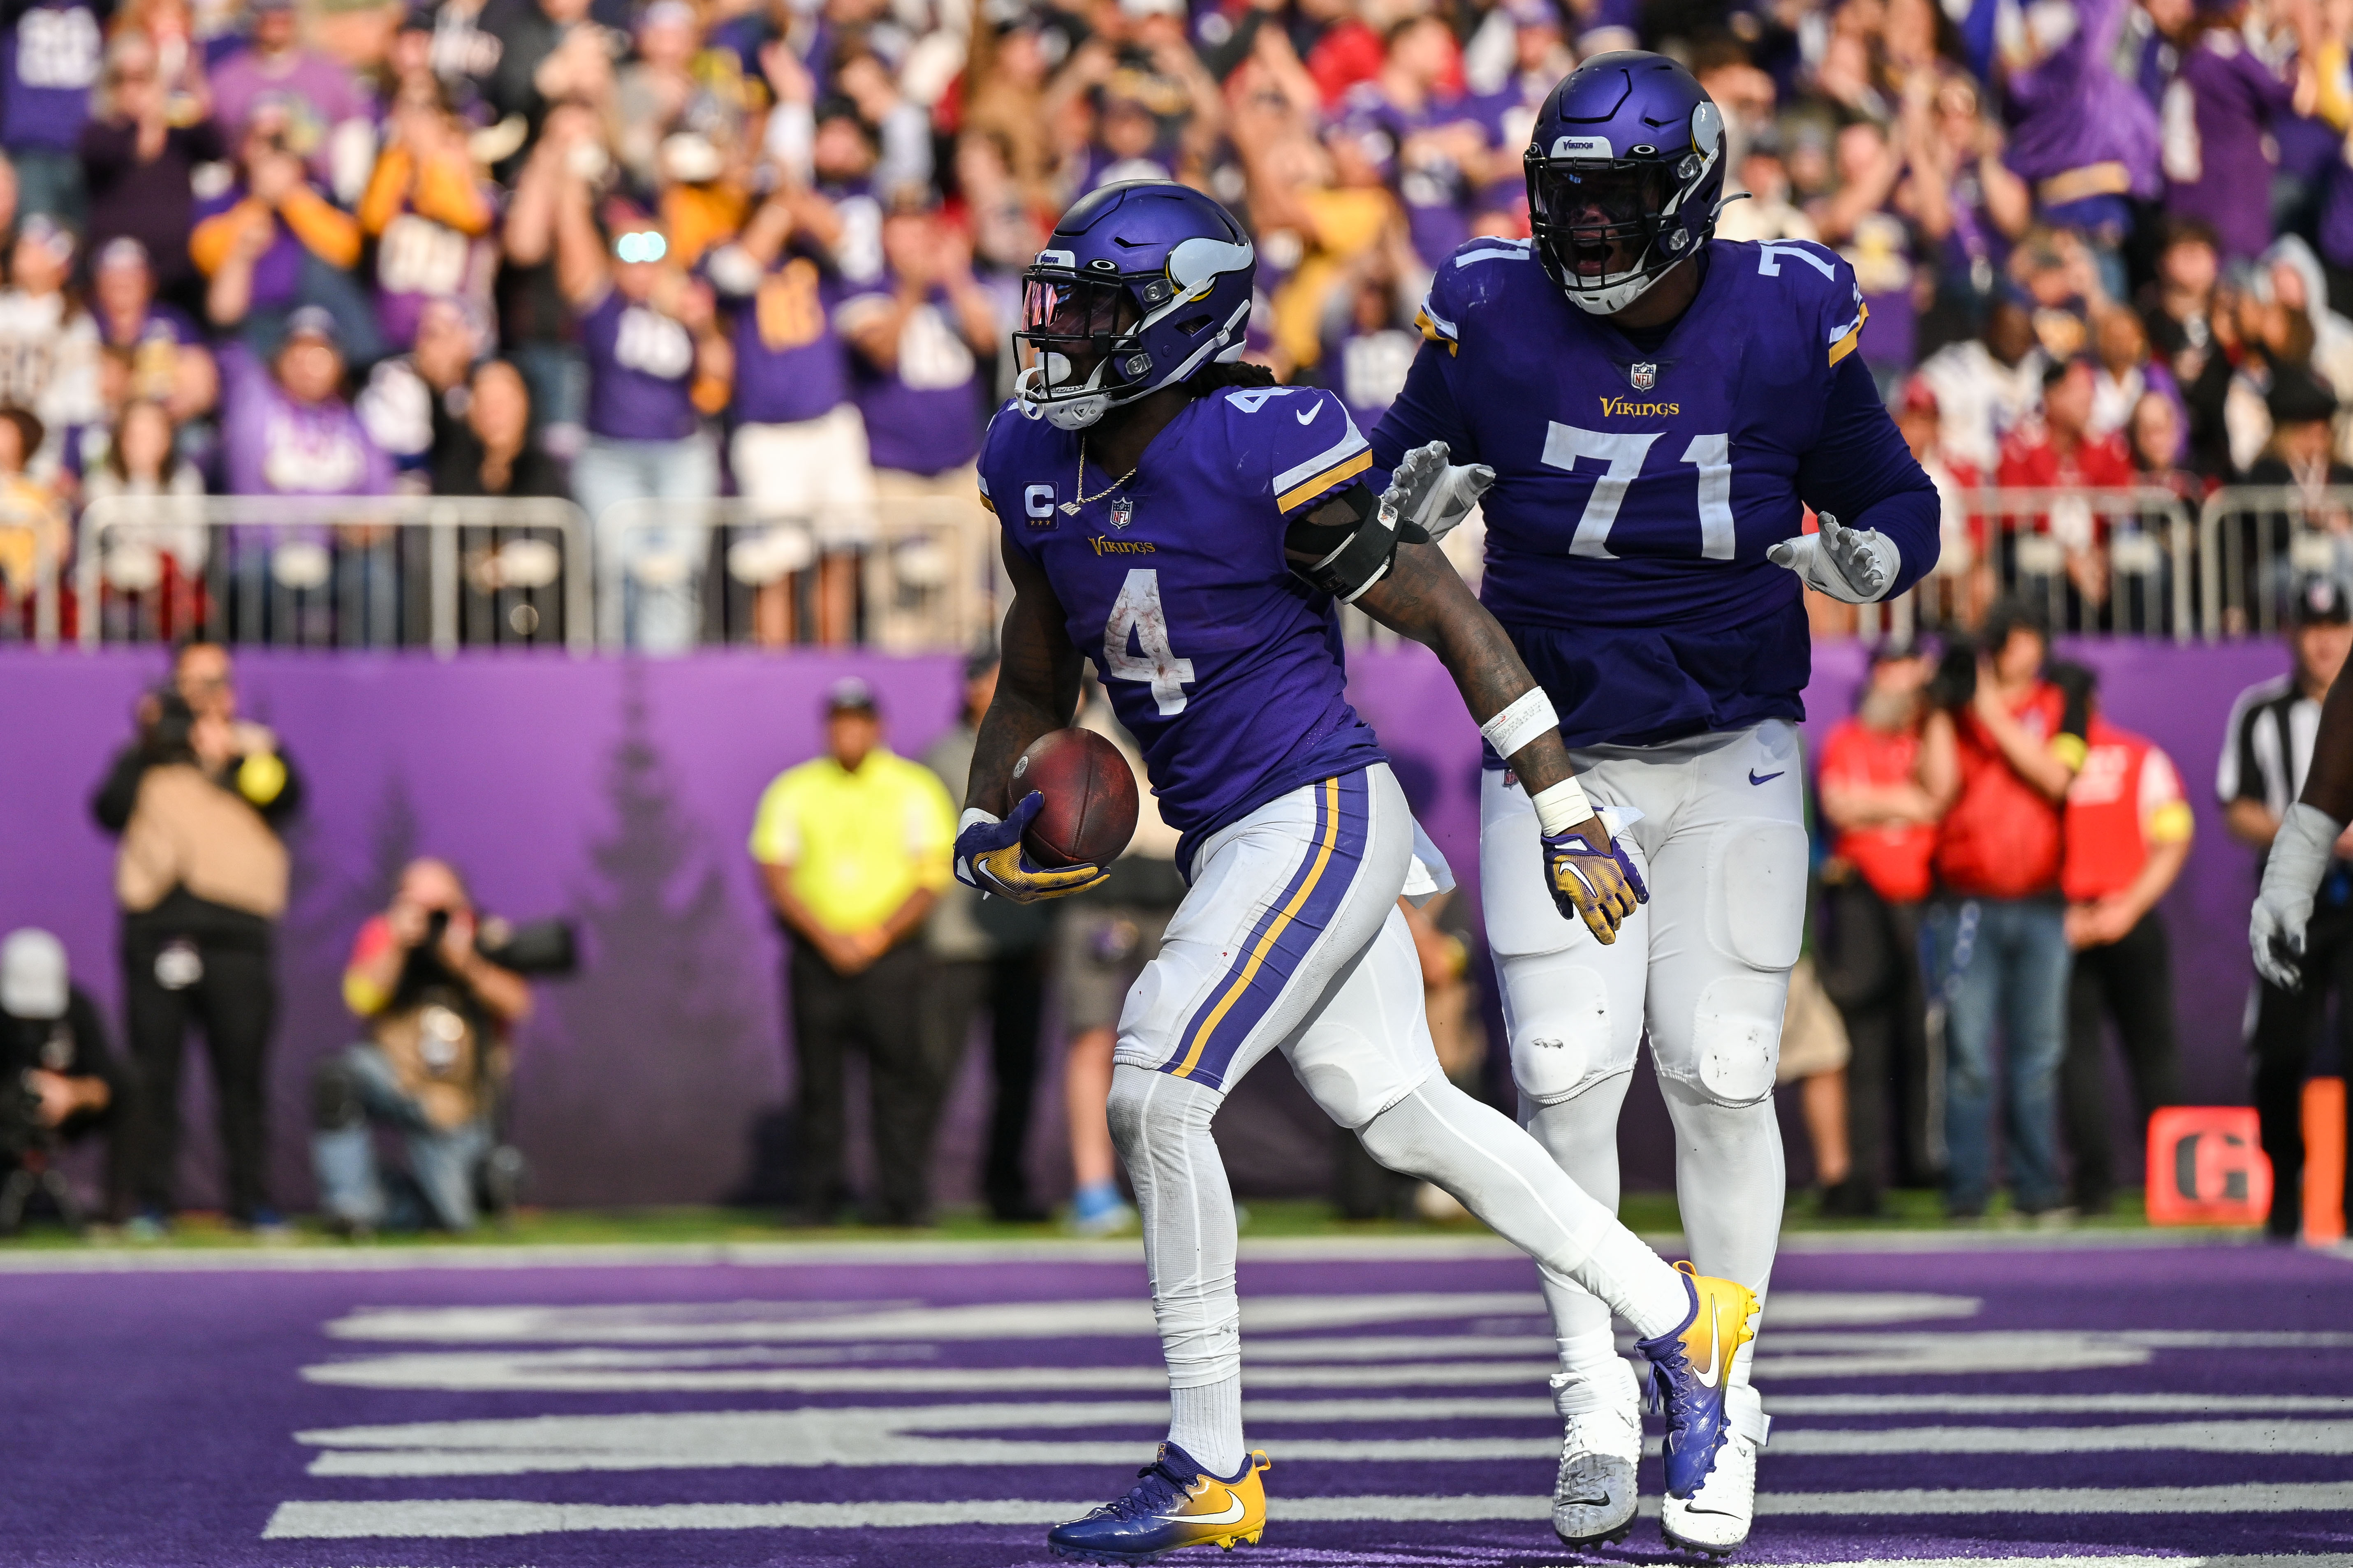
[[753, 1369], [974, 1434], [478, 1518], [752, 1323]]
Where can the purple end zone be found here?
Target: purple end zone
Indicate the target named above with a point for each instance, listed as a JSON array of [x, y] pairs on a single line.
[[2010, 1402]]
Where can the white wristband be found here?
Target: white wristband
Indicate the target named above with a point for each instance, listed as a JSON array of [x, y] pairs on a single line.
[[1562, 806], [1523, 722]]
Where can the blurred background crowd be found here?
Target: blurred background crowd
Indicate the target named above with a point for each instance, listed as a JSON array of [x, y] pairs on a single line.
[[637, 257]]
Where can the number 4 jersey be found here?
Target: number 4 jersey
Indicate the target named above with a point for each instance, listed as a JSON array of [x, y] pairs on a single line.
[[1638, 488], [1225, 666]]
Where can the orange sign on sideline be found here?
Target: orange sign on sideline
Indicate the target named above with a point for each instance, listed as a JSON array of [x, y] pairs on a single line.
[[2206, 1167], [2324, 1160]]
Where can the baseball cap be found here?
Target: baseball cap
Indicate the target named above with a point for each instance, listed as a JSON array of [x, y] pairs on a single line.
[[848, 695], [33, 974], [2298, 398], [2322, 602], [314, 321]]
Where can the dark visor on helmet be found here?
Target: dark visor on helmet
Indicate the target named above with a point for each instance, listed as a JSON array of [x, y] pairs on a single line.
[[1604, 196], [1057, 309]]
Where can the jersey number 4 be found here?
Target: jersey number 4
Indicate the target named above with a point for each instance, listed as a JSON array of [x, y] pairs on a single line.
[[1623, 451], [1137, 616]]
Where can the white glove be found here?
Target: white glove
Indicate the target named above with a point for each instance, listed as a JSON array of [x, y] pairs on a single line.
[[2299, 859], [1433, 494], [1858, 566]]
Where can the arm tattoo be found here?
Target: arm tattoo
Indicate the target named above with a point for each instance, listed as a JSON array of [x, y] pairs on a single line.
[[1422, 598]]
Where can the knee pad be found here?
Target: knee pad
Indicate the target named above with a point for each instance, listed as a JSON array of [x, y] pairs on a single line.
[[335, 1097], [1736, 1037], [1563, 1031]]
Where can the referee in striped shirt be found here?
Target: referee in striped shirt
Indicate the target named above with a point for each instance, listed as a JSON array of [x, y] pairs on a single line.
[[2264, 756]]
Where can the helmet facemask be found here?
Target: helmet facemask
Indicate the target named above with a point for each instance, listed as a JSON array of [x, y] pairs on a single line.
[[1607, 229], [1081, 333], [1085, 333]]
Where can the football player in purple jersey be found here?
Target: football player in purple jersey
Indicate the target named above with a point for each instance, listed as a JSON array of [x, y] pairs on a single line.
[[1189, 526], [1656, 409]]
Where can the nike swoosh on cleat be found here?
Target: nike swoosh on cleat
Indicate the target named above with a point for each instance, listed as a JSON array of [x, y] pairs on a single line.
[[1768, 778], [1309, 418], [1232, 1514], [1715, 1353]]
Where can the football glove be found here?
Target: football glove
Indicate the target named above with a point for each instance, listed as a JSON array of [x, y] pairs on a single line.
[[989, 857], [1433, 494], [1594, 882], [1856, 565], [2299, 859]]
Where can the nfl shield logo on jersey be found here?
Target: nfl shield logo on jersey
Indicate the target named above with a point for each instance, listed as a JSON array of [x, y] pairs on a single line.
[[1122, 511], [1644, 375]]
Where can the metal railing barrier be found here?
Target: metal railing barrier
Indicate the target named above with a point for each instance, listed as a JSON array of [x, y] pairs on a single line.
[[335, 570]]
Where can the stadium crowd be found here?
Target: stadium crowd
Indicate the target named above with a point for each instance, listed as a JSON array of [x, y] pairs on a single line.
[[771, 248]]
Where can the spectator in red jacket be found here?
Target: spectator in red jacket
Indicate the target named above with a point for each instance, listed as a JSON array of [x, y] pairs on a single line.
[[1996, 761], [1874, 885], [2126, 830], [2056, 450]]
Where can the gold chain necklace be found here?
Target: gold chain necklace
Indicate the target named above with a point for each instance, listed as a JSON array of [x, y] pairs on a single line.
[[1086, 500]]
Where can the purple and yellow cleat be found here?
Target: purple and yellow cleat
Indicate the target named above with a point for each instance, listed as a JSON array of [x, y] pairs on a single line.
[[1690, 1367], [1174, 1503]]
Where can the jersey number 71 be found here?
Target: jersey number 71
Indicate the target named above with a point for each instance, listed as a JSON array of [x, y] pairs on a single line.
[[1624, 450]]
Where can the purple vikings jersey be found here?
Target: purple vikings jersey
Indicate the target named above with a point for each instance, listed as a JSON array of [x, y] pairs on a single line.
[[48, 63], [1225, 666], [1637, 489], [790, 365], [640, 373]]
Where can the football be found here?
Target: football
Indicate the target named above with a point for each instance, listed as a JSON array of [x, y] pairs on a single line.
[[1089, 810]]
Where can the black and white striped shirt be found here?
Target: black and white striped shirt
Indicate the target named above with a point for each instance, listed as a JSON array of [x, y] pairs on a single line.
[[2269, 745]]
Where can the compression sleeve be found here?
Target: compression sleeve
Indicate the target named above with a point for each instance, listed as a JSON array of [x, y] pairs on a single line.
[[1860, 471]]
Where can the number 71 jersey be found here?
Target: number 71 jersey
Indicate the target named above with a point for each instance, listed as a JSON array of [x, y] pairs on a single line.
[[1225, 666], [1634, 487]]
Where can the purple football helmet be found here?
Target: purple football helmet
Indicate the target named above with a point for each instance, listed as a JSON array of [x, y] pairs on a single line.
[[1627, 158], [1143, 283]]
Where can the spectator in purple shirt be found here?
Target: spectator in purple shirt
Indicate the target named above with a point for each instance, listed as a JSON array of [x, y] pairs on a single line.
[[799, 450], [50, 58], [2219, 115], [137, 162], [332, 116], [169, 360], [2081, 136], [926, 340], [657, 365]]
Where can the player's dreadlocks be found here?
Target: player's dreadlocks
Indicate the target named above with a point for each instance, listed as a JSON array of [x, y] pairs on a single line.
[[1218, 377]]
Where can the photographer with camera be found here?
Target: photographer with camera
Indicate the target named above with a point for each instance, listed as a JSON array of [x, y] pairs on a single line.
[[198, 799], [439, 1009], [58, 1080], [1997, 758]]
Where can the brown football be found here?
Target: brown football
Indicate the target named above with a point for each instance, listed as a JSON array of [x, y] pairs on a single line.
[[1089, 810]]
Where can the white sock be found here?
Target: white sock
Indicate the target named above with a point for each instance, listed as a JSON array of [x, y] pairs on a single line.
[[1589, 1376], [1206, 1423]]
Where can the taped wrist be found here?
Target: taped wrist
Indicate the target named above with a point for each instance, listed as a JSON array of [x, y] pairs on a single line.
[[1561, 807], [1529, 715], [1348, 543]]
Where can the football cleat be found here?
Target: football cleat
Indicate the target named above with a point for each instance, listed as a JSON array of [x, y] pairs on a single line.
[[1690, 1370], [1174, 1503], [1715, 1518], [1593, 1497]]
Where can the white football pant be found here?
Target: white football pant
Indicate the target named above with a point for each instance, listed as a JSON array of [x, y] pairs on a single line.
[[1702, 968]]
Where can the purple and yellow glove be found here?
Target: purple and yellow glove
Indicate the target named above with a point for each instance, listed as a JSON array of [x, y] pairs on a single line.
[[1592, 878], [989, 857]]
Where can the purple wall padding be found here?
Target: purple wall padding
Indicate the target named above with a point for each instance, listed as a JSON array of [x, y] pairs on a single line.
[[620, 792]]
